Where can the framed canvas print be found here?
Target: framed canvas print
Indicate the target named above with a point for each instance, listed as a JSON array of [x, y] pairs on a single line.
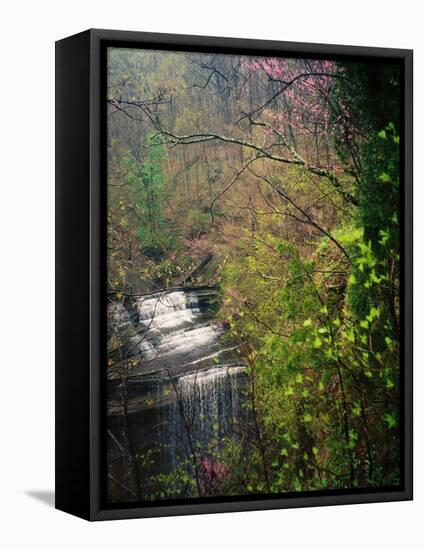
[[234, 274]]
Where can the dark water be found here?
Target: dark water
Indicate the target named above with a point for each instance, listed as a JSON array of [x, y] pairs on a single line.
[[176, 391]]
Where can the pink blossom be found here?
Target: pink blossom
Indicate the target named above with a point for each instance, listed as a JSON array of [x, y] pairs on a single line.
[[211, 471]]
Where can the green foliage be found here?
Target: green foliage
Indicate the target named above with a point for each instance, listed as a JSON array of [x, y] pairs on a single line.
[[309, 276], [147, 181], [326, 361]]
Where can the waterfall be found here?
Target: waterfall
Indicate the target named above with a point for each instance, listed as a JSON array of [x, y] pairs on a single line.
[[176, 327], [206, 408], [165, 311], [186, 382]]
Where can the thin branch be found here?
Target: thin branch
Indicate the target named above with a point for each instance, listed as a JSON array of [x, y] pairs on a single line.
[[307, 217]]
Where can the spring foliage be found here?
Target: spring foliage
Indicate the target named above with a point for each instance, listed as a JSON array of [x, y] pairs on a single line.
[[286, 173]]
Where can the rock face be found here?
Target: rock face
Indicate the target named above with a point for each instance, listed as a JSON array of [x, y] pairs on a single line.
[[176, 387]]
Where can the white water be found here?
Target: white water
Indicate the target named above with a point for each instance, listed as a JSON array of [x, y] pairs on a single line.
[[198, 381], [206, 408], [175, 330], [206, 394], [165, 311]]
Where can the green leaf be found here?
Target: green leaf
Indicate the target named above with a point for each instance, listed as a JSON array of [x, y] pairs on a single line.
[[352, 279], [384, 177], [382, 134], [317, 342], [356, 410], [353, 439], [390, 420], [374, 312], [307, 323], [307, 417], [390, 384]]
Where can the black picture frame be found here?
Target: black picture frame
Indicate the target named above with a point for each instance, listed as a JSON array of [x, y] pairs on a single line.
[[80, 268]]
